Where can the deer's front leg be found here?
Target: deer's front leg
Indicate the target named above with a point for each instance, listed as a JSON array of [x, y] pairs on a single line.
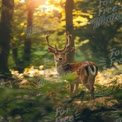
[[71, 88], [74, 88]]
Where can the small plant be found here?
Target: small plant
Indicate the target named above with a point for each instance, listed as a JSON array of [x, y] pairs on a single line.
[[70, 77]]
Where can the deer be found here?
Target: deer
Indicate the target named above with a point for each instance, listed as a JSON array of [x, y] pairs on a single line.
[[86, 71]]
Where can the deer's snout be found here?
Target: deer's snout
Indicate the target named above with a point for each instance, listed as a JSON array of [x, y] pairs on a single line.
[[60, 59]]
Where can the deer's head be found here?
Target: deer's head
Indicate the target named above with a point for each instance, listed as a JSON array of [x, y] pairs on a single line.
[[60, 54]]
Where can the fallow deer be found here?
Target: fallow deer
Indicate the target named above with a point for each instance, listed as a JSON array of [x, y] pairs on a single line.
[[86, 71]]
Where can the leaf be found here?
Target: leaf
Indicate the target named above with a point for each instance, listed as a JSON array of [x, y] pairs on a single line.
[[69, 77], [40, 53]]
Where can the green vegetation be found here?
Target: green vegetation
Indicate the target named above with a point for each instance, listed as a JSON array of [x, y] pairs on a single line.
[[30, 89], [32, 96]]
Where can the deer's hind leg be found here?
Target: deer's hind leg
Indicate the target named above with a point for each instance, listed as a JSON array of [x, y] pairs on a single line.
[[89, 84], [91, 89]]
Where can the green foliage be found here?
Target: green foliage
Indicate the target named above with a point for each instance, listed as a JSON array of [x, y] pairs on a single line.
[[89, 43], [100, 41], [23, 104], [34, 97], [70, 77]]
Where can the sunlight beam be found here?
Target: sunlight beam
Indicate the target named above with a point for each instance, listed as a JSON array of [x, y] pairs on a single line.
[[22, 1]]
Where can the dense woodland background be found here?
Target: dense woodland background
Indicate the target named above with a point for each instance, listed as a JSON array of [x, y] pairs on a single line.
[[30, 89]]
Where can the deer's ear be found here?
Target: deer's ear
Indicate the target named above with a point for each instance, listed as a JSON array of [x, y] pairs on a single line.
[[70, 49], [51, 50]]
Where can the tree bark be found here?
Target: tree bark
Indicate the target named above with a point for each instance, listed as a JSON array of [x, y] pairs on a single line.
[[27, 43], [5, 34], [15, 56], [69, 25]]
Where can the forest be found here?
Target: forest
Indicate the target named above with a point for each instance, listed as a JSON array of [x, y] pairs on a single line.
[[33, 33]]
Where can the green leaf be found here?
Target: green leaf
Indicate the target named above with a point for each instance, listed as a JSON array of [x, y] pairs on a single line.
[[69, 77]]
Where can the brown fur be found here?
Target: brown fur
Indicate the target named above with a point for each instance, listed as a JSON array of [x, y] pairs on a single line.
[[84, 77], [86, 71]]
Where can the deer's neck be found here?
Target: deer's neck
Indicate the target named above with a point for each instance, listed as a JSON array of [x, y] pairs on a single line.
[[59, 68]]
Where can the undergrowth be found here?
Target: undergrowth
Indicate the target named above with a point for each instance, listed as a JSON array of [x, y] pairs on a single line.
[[36, 94]]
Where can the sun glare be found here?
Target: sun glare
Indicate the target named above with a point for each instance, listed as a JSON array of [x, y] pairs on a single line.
[[48, 7], [45, 6], [22, 1]]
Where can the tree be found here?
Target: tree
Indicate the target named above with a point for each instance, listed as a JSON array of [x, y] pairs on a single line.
[[96, 42], [27, 42], [69, 25], [20, 63], [23, 60], [5, 34]]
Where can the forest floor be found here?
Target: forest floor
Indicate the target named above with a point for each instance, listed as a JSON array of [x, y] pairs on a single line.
[[39, 95]]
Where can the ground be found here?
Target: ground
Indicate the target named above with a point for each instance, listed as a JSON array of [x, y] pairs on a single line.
[[41, 95]]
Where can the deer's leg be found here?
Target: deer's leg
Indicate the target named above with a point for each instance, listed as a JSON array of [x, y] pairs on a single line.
[[77, 85], [74, 88], [90, 87], [92, 93], [71, 87]]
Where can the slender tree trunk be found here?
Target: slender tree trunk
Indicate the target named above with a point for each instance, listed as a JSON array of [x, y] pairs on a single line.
[[15, 56], [69, 25], [27, 43], [5, 34], [26, 58]]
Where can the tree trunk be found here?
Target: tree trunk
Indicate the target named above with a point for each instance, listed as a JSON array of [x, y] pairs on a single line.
[[69, 25], [15, 56], [27, 43], [20, 64], [5, 34]]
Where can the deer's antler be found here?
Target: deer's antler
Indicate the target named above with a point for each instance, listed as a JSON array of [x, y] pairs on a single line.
[[69, 37], [49, 46], [47, 38]]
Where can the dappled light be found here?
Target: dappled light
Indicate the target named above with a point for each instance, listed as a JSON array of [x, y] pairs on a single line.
[[106, 89], [60, 61]]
